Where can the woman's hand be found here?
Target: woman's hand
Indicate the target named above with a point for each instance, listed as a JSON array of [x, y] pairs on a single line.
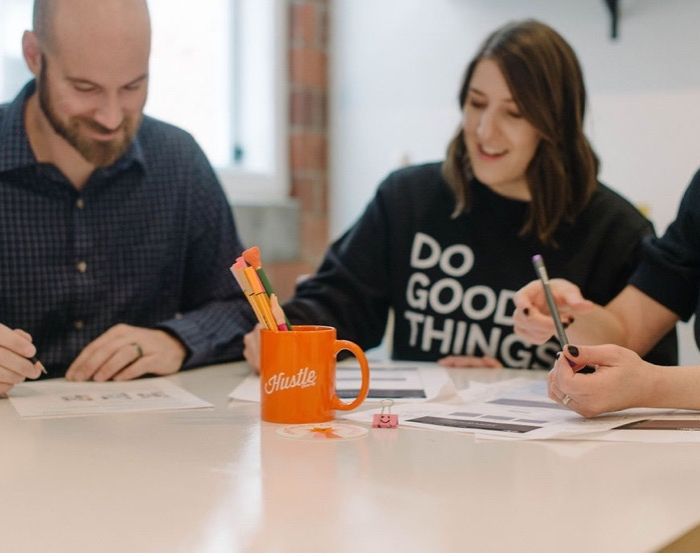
[[532, 321], [621, 380]]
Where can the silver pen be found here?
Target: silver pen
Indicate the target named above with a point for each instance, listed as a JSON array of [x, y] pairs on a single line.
[[538, 263]]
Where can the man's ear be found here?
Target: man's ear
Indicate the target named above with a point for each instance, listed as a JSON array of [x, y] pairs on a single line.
[[31, 52]]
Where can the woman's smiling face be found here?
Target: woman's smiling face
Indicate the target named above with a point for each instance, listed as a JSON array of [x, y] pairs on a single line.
[[500, 142]]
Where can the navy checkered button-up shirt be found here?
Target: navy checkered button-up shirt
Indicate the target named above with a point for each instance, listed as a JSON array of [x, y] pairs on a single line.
[[147, 242]]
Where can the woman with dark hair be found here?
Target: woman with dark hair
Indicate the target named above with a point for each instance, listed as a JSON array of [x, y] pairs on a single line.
[[446, 245]]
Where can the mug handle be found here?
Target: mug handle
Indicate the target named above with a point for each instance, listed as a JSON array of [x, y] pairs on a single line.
[[339, 346]]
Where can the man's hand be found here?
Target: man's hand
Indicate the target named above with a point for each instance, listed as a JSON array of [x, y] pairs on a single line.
[[15, 347], [125, 352]]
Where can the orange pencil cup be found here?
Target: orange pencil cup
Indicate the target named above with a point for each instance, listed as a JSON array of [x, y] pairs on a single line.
[[297, 374]]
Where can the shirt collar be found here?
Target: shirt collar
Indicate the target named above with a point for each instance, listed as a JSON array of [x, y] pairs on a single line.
[[16, 152]]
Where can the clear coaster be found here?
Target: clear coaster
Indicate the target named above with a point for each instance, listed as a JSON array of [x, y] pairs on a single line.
[[322, 432]]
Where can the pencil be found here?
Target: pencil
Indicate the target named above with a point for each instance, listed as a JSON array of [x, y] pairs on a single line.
[[260, 297], [237, 271], [253, 257], [278, 313], [538, 263]]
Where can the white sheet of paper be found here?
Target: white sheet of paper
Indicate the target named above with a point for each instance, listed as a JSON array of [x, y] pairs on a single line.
[[393, 380], [687, 431], [512, 409], [59, 398]]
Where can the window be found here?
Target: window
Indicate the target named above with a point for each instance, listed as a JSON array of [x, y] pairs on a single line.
[[217, 70]]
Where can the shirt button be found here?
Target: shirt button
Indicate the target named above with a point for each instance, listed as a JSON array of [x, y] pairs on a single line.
[[80, 203], [81, 266], [78, 325]]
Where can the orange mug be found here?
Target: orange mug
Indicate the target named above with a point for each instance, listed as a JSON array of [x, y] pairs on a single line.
[[297, 374]]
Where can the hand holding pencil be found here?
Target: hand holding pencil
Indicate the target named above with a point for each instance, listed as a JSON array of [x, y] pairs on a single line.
[[18, 360]]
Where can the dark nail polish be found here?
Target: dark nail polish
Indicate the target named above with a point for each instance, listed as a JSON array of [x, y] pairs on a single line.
[[573, 350], [526, 312]]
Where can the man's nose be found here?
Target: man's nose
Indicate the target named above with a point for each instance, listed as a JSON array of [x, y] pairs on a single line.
[[110, 114]]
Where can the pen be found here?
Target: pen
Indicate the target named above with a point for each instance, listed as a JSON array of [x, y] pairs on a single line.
[[35, 360], [541, 271]]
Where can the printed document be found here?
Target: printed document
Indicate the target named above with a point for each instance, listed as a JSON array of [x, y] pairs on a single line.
[[514, 409], [59, 398]]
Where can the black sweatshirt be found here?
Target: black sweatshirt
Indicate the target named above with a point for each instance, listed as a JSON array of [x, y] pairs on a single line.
[[670, 269], [450, 281]]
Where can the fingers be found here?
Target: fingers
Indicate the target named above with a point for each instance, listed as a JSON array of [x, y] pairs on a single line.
[[18, 365], [17, 341], [4, 389], [251, 348], [470, 361], [568, 294], [533, 326], [26, 335], [529, 296], [555, 393], [120, 360], [606, 355], [98, 352], [11, 377], [138, 368], [531, 319]]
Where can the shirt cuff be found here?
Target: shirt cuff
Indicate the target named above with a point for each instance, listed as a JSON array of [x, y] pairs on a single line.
[[190, 335]]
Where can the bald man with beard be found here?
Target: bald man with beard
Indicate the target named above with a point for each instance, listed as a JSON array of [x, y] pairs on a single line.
[[116, 234]]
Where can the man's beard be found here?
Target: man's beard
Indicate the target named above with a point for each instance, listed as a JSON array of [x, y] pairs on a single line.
[[99, 153]]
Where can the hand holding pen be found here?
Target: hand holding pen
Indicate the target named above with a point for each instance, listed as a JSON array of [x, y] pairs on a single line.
[[541, 271], [18, 360]]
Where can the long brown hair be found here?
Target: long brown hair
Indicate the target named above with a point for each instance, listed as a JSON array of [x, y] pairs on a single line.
[[546, 81]]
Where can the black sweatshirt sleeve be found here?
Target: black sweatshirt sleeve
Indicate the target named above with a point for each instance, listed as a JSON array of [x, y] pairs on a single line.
[[670, 268], [350, 290]]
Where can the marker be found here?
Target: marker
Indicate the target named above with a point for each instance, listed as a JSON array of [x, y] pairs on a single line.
[[541, 271]]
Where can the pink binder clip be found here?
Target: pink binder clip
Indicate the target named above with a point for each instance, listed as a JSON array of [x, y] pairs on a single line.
[[385, 419]]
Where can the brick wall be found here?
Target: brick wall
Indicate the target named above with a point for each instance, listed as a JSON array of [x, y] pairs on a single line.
[[308, 137]]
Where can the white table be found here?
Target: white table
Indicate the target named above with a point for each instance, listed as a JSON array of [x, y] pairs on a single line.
[[219, 480]]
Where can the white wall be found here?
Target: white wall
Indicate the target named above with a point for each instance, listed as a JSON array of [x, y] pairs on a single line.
[[397, 66]]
